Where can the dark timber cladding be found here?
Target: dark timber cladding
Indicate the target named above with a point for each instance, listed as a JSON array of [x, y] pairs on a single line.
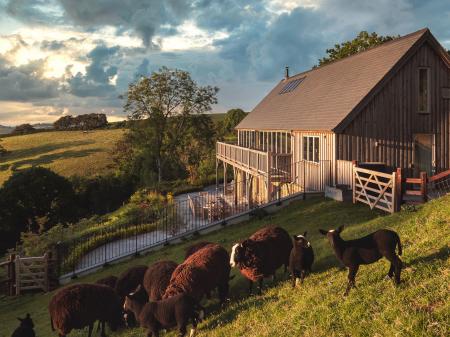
[[384, 130]]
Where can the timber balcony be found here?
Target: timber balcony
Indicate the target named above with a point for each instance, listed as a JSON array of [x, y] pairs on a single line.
[[256, 162]]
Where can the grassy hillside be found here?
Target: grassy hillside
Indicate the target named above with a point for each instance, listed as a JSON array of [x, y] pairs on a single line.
[[66, 152], [419, 307]]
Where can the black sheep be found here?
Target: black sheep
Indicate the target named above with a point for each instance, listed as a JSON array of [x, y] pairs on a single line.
[[262, 254], [25, 329], [194, 248], [127, 282], [366, 250], [176, 311], [109, 281], [301, 258], [80, 305], [157, 278]]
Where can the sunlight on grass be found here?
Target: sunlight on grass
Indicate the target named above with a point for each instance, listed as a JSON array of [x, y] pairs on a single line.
[[420, 306]]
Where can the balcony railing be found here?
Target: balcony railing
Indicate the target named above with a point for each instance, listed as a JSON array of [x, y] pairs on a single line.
[[254, 161]]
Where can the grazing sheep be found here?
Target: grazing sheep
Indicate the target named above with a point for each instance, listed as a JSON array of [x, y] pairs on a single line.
[[195, 247], [301, 258], [157, 278], [202, 272], [176, 311], [25, 329], [127, 282], [109, 281], [80, 305], [262, 254], [366, 250]]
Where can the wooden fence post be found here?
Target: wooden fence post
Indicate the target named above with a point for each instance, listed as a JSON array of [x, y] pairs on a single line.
[[46, 273], [423, 185], [398, 190], [11, 274], [17, 273]]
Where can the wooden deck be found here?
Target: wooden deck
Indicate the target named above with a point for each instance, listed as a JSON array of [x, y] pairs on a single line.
[[254, 161]]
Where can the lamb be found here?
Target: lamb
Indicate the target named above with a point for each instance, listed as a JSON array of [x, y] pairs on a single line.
[[109, 281], [300, 259], [366, 250], [177, 311], [25, 329], [195, 247], [127, 282], [157, 278], [202, 272], [262, 254], [80, 305]]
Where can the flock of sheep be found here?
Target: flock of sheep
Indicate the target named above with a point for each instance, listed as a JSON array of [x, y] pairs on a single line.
[[167, 295]]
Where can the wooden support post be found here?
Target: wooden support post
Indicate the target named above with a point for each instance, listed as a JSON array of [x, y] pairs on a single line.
[[235, 186], [217, 172], [224, 178], [398, 189], [423, 185], [46, 273]]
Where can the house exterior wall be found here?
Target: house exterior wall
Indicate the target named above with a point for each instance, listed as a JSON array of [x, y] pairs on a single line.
[[384, 130]]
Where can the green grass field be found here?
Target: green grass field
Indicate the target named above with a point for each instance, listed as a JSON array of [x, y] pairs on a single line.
[[65, 152], [420, 306]]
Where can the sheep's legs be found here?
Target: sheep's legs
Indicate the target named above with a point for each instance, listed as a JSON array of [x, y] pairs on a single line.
[[351, 278], [250, 287], [398, 269], [391, 270], [90, 329], [103, 333]]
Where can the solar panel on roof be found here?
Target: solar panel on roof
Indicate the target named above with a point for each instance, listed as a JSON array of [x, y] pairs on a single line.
[[291, 85]]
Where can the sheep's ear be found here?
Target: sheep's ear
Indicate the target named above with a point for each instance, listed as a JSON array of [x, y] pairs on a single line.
[[294, 237], [323, 232], [304, 234], [340, 229]]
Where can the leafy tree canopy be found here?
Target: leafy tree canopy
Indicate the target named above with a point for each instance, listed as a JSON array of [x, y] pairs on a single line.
[[34, 200], [166, 100], [363, 41], [232, 118]]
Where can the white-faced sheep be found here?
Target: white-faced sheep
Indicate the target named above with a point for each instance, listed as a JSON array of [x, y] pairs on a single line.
[[300, 259], [80, 305], [25, 329], [262, 254], [366, 250], [202, 272], [157, 278], [176, 311]]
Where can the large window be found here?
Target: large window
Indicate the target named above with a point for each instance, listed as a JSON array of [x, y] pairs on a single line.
[[311, 149], [424, 90]]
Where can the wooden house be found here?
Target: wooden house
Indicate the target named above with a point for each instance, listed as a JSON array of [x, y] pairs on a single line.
[[389, 105]]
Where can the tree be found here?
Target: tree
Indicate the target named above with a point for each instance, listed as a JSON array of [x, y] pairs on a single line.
[[23, 129], [3, 151], [363, 41], [34, 200], [81, 122], [165, 100], [232, 118]]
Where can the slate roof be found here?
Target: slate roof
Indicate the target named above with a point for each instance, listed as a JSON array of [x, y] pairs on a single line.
[[327, 95]]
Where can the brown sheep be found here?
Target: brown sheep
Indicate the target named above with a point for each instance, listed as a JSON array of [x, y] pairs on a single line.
[[80, 305], [195, 247], [203, 271], [109, 281], [262, 254], [157, 278]]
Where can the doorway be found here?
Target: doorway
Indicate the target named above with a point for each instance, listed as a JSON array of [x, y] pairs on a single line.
[[423, 154]]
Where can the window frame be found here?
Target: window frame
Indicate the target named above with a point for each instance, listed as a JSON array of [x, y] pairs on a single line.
[[307, 141], [428, 91]]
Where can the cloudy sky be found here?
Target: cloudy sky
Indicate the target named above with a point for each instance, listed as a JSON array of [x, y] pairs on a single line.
[[61, 57]]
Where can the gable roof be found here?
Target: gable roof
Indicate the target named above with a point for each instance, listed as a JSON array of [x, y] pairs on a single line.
[[328, 97]]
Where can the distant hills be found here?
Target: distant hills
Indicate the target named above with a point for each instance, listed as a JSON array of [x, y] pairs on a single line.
[[4, 130]]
